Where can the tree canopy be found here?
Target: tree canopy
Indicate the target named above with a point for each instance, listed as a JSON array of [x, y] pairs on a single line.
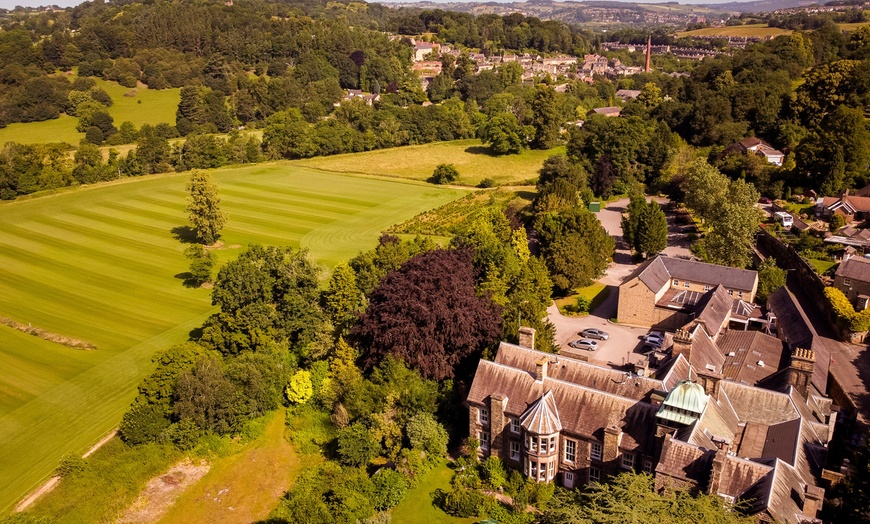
[[575, 246], [203, 208]]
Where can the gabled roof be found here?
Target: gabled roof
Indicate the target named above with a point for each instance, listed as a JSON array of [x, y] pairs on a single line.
[[744, 350], [752, 141], [542, 417], [657, 272], [855, 268], [796, 329], [713, 310]]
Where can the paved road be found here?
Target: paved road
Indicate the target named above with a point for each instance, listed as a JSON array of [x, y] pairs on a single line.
[[624, 342]]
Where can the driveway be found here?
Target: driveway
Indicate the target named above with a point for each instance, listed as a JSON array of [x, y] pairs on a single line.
[[624, 343]]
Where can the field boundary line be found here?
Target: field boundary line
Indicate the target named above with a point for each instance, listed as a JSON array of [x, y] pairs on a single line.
[[53, 481]]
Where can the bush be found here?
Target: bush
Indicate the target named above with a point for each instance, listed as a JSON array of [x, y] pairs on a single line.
[[461, 502], [494, 472], [94, 135], [837, 221], [444, 174], [70, 464], [390, 488], [143, 423], [486, 183], [356, 445]]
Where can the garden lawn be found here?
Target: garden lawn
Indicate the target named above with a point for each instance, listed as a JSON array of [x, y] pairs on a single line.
[[148, 106], [595, 293], [417, 505], [100, 264], [472, 159]]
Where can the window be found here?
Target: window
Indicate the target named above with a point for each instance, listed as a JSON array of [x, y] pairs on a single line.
[[551, 471], [515, 450], [595, 451], [568, 479], [847, 281], [707, 287], [686, 285], [731, 292], [740, 294], [570, 450], [676, 283], [628, 460], [532, 443], [484, 439], [515, 425], [542, 471], [533, 469], [483, 416], [647, 466], [594, 474], [552, 444]]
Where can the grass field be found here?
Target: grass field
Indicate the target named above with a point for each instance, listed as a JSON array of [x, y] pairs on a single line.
[[471, 159], [99, 264], [250, 482], [417, 505], [595, 294], [156, 106], [759, 30]]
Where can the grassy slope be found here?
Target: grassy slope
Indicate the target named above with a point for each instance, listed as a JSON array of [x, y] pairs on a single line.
[[99, 264], [760, 30], [156, 106], [417, 505], [251, 482], [471, 159]]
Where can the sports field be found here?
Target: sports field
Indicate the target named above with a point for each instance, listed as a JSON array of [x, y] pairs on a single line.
[[148, 106], [99, 264], [756, 30], [471, 158]]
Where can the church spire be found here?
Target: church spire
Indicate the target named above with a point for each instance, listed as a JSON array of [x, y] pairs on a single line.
[[648, 53]]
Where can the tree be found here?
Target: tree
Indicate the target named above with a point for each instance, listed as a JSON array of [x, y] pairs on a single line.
[[651, 235], [208, 398], [836, 222], [342, 299], [503, 134], [444, 174], [356, 445], [705, 188], [203, 208], [201, 264], [428, 314], [545, 118], [427, 435], [733, 225], [300, 389], [770, 278], [575, 246], [632, 497], [560, 184]]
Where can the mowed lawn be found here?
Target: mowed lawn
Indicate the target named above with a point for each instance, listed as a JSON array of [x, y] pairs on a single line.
[[471, 158], [100, 264], [148, 106], [757, 30]]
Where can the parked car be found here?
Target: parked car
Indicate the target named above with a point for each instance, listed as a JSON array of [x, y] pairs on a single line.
[[584, 343], [594, 333], [653, 339], [764, 200]]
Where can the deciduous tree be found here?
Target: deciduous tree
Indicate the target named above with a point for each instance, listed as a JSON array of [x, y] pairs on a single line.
[[203, 208]]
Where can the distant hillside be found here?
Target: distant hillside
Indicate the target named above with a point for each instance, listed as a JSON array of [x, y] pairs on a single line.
[[760, 6]]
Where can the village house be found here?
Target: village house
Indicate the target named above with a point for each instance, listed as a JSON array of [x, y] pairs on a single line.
[[358, 94], [761, 148], [667, 292], [852, 207], [612, 111], [423, 49], [628, 94], [683, 419], [853, 279]]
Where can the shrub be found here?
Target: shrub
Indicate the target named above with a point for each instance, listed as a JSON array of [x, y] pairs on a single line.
[[837, 221], [70, 464], [300, 388], [486, 183], [356, 445], [444, 174], [143, 423], [461, 502], [494, 472], [390, 488], [427, 435]]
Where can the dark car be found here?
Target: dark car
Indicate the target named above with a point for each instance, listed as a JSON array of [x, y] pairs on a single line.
[[594, 333], [764, 200]]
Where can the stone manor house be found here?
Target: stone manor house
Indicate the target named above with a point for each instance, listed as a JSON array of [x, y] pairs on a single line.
[[706, 412]]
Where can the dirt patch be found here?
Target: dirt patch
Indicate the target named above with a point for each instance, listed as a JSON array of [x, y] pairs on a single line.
[[235, 246], [47, 335], [217, 245], [206, 285], [161, 492]]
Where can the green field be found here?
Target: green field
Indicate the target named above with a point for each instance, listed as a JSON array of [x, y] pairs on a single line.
[[471, 159], [156, 106], [759, 30], [417, 505], [99, 264]]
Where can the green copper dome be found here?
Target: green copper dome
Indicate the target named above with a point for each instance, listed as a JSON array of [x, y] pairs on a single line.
[[684, 404]]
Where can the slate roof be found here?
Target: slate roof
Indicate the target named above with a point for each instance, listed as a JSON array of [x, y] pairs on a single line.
[[705, 355], [796, 329], [657, 272], [542, 417], [856, 268], [685, 461], [713, 310], [744, 349]]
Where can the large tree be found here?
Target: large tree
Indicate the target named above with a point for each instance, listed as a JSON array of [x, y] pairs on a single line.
[[632, 497], [575, 246], [204, 208], [645, 227], [504, 134], [545, 118], [428, 314]]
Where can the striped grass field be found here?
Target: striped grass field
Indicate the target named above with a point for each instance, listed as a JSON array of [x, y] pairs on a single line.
[[100, 264], [750, 30]]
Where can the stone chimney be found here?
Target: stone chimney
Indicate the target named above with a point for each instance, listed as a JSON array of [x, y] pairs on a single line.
[[610, 448], [800, 371], [814, 497], [710, 381], [683, 343], [641, 368], [716, 471], [541, 368], [527, 337], [497, 423]]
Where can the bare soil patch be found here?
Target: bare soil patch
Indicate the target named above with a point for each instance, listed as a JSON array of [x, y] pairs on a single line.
[[161, 492]]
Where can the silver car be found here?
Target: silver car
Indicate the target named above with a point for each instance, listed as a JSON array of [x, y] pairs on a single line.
[[584, 343], [594, 333]]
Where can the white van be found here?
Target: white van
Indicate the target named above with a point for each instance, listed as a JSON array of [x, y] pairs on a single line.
[[784, 218]]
